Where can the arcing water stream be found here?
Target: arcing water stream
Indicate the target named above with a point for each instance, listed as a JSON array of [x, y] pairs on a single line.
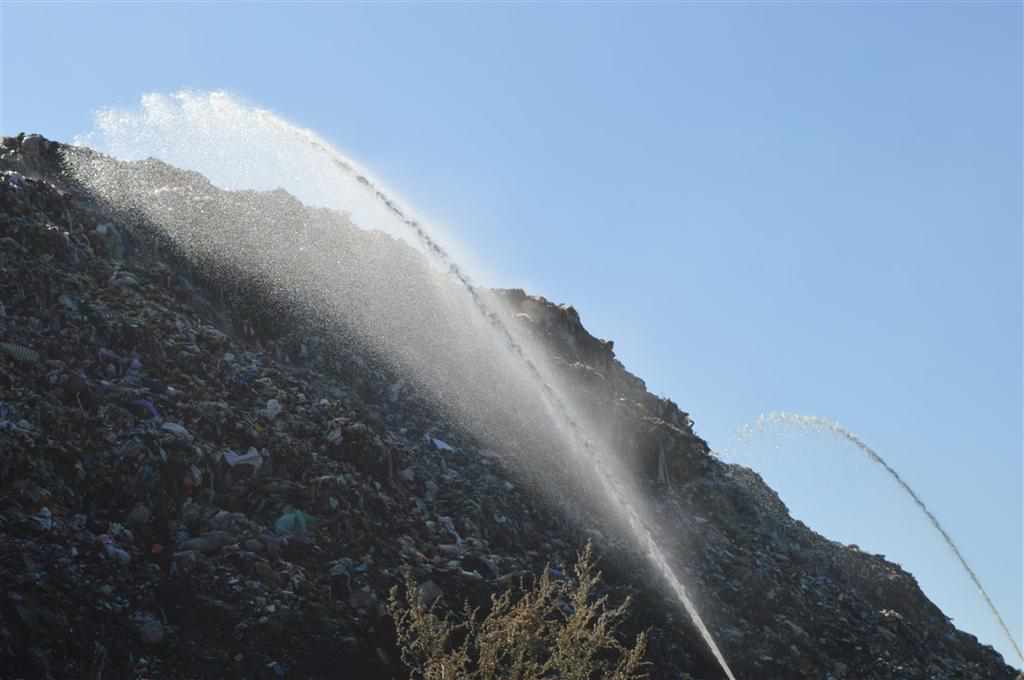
[[557, 403], [554, 400], [834, 428], [176, 123]]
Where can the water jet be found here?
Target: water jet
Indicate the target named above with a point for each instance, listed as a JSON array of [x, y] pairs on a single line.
[[186, 120], [818, 423]]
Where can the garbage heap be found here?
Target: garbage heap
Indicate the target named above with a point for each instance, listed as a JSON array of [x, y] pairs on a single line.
[[191, 488]]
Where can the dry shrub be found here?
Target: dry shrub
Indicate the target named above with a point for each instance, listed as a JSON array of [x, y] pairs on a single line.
[[555, 629]]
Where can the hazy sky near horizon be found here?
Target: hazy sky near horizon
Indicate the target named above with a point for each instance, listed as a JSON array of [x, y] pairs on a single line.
[[813, 208]]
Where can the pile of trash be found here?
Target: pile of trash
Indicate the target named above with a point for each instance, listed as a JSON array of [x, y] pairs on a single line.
[[190, 488]]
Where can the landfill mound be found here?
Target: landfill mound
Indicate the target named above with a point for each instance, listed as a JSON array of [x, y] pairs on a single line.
[[196, 481]]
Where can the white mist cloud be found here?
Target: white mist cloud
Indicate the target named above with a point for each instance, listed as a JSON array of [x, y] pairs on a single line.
[[240, 146]]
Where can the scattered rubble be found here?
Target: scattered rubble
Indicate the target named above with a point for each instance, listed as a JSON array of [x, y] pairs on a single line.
[[187, 490]]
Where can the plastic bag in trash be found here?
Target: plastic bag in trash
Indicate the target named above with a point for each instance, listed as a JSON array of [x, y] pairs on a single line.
[[294, 522]]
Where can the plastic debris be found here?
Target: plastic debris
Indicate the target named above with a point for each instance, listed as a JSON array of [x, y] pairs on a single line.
[[19, 352], [294, 522], [252, 458], [440, 444], [273, 409]]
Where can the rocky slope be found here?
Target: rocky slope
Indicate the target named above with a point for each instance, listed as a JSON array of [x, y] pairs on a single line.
[[196, 481]]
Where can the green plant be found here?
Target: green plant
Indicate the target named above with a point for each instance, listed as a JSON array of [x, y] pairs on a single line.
[[554, 629]]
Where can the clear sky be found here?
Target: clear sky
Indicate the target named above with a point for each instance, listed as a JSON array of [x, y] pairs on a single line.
[[804, 207]]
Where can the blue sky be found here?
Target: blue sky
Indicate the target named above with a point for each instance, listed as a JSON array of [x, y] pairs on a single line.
[[804, 207]]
